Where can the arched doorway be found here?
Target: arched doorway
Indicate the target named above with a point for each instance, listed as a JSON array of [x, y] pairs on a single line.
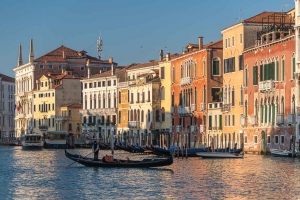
[[263, 144]]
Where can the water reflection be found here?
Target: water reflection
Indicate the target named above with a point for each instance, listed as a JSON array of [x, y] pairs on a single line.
[[45, 175]]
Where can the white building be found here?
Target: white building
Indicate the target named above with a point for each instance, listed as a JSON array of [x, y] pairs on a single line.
[[100, 103], [7, 106]]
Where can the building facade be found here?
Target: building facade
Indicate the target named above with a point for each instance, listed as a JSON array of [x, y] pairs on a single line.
[[7, 108]]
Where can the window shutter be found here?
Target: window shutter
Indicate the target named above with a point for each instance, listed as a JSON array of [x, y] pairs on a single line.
[[294, 68], [220, 121], [283, 71], [261, 74], [277, 70]]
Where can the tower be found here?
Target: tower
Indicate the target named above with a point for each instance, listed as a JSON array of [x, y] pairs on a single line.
[[31, 54], [99, 47], [20, 60]]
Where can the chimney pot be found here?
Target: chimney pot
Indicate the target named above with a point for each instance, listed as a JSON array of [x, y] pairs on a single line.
[[200, 40], [161, 55]]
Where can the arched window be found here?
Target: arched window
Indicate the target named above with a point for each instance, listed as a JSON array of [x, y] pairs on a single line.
[[135, 116], [131, 115], [283, 68], [232, 96], [282, 105], [70, 126], [163, 114], [204, 66], [91, 101], [120, 117], [195, 69], [181, 71], [172, 101], [195, 95], [138, 115], [120, 97], [157, 115], [241, 95], [277, 69], [103, 101], [95, 101], [246, 108], [70, 113], [162, 93], [293, 66], [293, 105], [173, 75], [225, 95], [149, 118], [99, 101], [142, 116], [216, 67], [204, 94], [108, 100]]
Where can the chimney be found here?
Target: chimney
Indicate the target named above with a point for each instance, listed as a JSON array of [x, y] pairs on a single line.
[[110, 60], [20, 60], [31, 54], [112, 69], [161, 55], [88, 68], [200, 40], [167, 56]]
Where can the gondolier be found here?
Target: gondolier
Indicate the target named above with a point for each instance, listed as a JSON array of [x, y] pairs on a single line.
[[95, 149]]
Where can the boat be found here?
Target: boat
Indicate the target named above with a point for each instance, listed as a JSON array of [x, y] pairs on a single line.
[[220, 155], [33, 141], [109, 161], [56, 140], [281, 153]]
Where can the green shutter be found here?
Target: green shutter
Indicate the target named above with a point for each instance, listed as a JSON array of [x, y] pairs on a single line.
[[277, 70], [220, 121], [294, 68], [283, 71], [273, 114], [265, 72], [261, 74], [246, 81], [266, 113], [204, 120], [261, 114], [210, 121], [255, 77]]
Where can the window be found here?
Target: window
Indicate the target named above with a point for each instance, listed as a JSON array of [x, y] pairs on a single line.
[[103, 83], [216, 67], [142, 116], [157, 115], [162, 93], [232, 96], [195, 69], [229, 65], [82, 68], [50, 66], [41, 66], [232, 120], [70, 113], [181, 71], [115, 82], [232, 41], [120, 117], [120, 97], [282, 139], [294, 66], [59, 67], [246, 77], [225, 120], [108, 83], [204, 67], [241, 38], [162, 72], [245, 139], [255, 139], [228, 42], [255, 75], [268, 139], [282, 69], [241, 62], [149, 96], [173, 74], [99, 84], [276, 139], [149, 116]]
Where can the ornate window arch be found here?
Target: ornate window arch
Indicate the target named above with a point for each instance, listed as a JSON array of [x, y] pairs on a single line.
[[216, 68]]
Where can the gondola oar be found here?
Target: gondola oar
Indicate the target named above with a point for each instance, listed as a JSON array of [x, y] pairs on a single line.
[[79, 159]]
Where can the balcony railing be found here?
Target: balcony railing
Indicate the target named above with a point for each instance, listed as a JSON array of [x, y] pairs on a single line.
[[185, 81], [43, 127], [280, 119], [61, 118], [253, 120], [291, 119], [266, 85], [203, 106], [215, 105], [226, 107], [133, 124], [125, 84], [202, 128], [193, 107], [184, 110]]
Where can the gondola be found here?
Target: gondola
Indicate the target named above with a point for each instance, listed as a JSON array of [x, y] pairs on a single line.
[[109, 161]]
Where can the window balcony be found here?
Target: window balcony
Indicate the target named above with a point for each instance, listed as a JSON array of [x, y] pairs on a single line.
[[253, 120], [226, 107], [243, 120], [202, 128], [268, 85], [185, 81], [193, 107], [178, 128], [61, 118], [203, 106], [184, 110], [280, 119], [291, 119], [133, 124], [43, 127], [215, 105]]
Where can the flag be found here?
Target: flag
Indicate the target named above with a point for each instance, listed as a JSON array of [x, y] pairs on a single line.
[[19, 107]]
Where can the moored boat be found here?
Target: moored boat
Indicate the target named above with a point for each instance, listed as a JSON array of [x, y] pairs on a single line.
[[109, 161], [220, 155], [32, 141], [281, 153]]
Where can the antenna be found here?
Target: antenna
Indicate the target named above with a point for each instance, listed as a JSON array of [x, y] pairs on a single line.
[[241, 15], [283, 5], [99, 46]]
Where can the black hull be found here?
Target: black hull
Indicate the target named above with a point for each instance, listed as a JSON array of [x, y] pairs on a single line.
[[32, 147], [54, 146], [146, 163]]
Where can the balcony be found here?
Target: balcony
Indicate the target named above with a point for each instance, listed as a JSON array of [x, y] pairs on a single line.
[[193, 107], [21, 94], [185, 81], [43, 127], [202, 106], [215, 105], [291, 119], [202, 128], [280, 119], [20, 115], [253, 120], [133, 124], [226, 107], [178, 128], [125, 84], [184, 110], [61, 118], [266, 85], [243, 120]]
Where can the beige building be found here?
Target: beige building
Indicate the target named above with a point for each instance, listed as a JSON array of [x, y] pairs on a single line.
[[70, 118], [52, 92]]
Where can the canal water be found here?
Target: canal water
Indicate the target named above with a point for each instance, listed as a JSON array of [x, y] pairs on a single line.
[[45, 175]]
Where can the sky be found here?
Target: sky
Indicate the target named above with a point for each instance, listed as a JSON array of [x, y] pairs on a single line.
[[132, 31]]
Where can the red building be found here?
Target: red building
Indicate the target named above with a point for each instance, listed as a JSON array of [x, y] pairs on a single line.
[[269, 90], [196, 81]]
